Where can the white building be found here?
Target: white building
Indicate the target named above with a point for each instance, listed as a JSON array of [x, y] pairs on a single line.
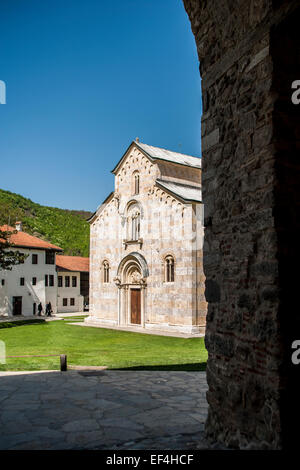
[[32, 282], [69, 282]]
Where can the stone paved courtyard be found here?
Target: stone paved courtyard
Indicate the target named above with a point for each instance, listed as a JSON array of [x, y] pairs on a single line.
[[102, 410]]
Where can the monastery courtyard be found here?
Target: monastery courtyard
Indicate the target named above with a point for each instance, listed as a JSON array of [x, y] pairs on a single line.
[[103, 410]]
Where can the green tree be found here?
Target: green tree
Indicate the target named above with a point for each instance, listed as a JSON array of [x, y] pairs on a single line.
[[9, 257], [65, 228]]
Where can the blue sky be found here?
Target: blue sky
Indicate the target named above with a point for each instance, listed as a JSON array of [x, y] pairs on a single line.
[[84, 78]]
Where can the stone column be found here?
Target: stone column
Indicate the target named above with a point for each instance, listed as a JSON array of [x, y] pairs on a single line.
[[119, 305], [143, 304], [125, 304], [249, 54]]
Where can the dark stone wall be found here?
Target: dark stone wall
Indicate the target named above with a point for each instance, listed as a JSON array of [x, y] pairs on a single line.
[[249, 55]]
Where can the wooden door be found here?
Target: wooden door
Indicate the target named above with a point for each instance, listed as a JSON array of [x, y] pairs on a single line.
[[135, 302], [17, 305]]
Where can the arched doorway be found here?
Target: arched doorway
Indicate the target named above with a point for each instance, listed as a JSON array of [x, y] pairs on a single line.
[[131, 282]]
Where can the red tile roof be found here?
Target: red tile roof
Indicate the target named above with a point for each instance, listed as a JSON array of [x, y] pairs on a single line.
[[23, 239], [73, 263]]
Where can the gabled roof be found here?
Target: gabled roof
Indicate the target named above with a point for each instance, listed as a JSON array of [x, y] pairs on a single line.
[[106, 200], [157, 153], [72, 263], [24, 240], [184, 191]]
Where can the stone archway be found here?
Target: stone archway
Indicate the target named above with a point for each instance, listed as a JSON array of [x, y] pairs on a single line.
[[249, 53], [131, 283]]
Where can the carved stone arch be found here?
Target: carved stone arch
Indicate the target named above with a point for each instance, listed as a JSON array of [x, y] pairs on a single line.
[[168, 258], [130, 203], [105, 268], [132, 259], [157, 192], [102, 261], [164, 197], [165, 254]]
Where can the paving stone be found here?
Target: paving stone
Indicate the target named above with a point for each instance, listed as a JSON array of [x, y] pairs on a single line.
[[121, 422], [7, 442], [116, 434], [81, 425], [71, 411], [100, 403], [81, 438], [16, 427], [122, 411]]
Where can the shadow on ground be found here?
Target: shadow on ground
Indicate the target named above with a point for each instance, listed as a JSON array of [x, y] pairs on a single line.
[[197, 366], [22, 323], [110, 410]]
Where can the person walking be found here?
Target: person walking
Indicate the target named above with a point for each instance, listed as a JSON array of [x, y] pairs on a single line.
[[40, 309], [48, 309]]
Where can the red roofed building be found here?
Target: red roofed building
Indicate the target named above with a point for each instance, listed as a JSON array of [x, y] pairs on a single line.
[[73, 263], [28, 284], [73, 283], [23, 240]]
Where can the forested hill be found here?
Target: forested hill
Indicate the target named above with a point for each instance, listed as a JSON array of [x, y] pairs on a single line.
[[65, 228]]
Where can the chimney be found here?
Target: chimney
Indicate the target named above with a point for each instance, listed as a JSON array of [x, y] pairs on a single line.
[[19, 226], [137, 139]]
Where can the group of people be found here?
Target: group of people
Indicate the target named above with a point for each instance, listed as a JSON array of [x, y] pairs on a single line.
[[48, 309]]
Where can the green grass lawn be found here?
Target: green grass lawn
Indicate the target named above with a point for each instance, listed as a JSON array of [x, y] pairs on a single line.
[[88, 346]]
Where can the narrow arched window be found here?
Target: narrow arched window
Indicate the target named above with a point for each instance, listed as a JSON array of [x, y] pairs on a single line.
[[105, 272], [136, 183], [169, 269]]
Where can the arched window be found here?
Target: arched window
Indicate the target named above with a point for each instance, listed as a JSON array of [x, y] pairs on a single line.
[[169, 268], [105, 272], [136, 182]]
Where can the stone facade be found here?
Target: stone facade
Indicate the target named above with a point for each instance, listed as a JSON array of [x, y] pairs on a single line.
[[249, 54], [167, 228]]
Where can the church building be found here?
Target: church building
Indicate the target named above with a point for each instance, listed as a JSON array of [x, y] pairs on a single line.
[[146, 245]]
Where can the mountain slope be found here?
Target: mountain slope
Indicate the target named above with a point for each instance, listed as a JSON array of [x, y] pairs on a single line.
[[65, 228]]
